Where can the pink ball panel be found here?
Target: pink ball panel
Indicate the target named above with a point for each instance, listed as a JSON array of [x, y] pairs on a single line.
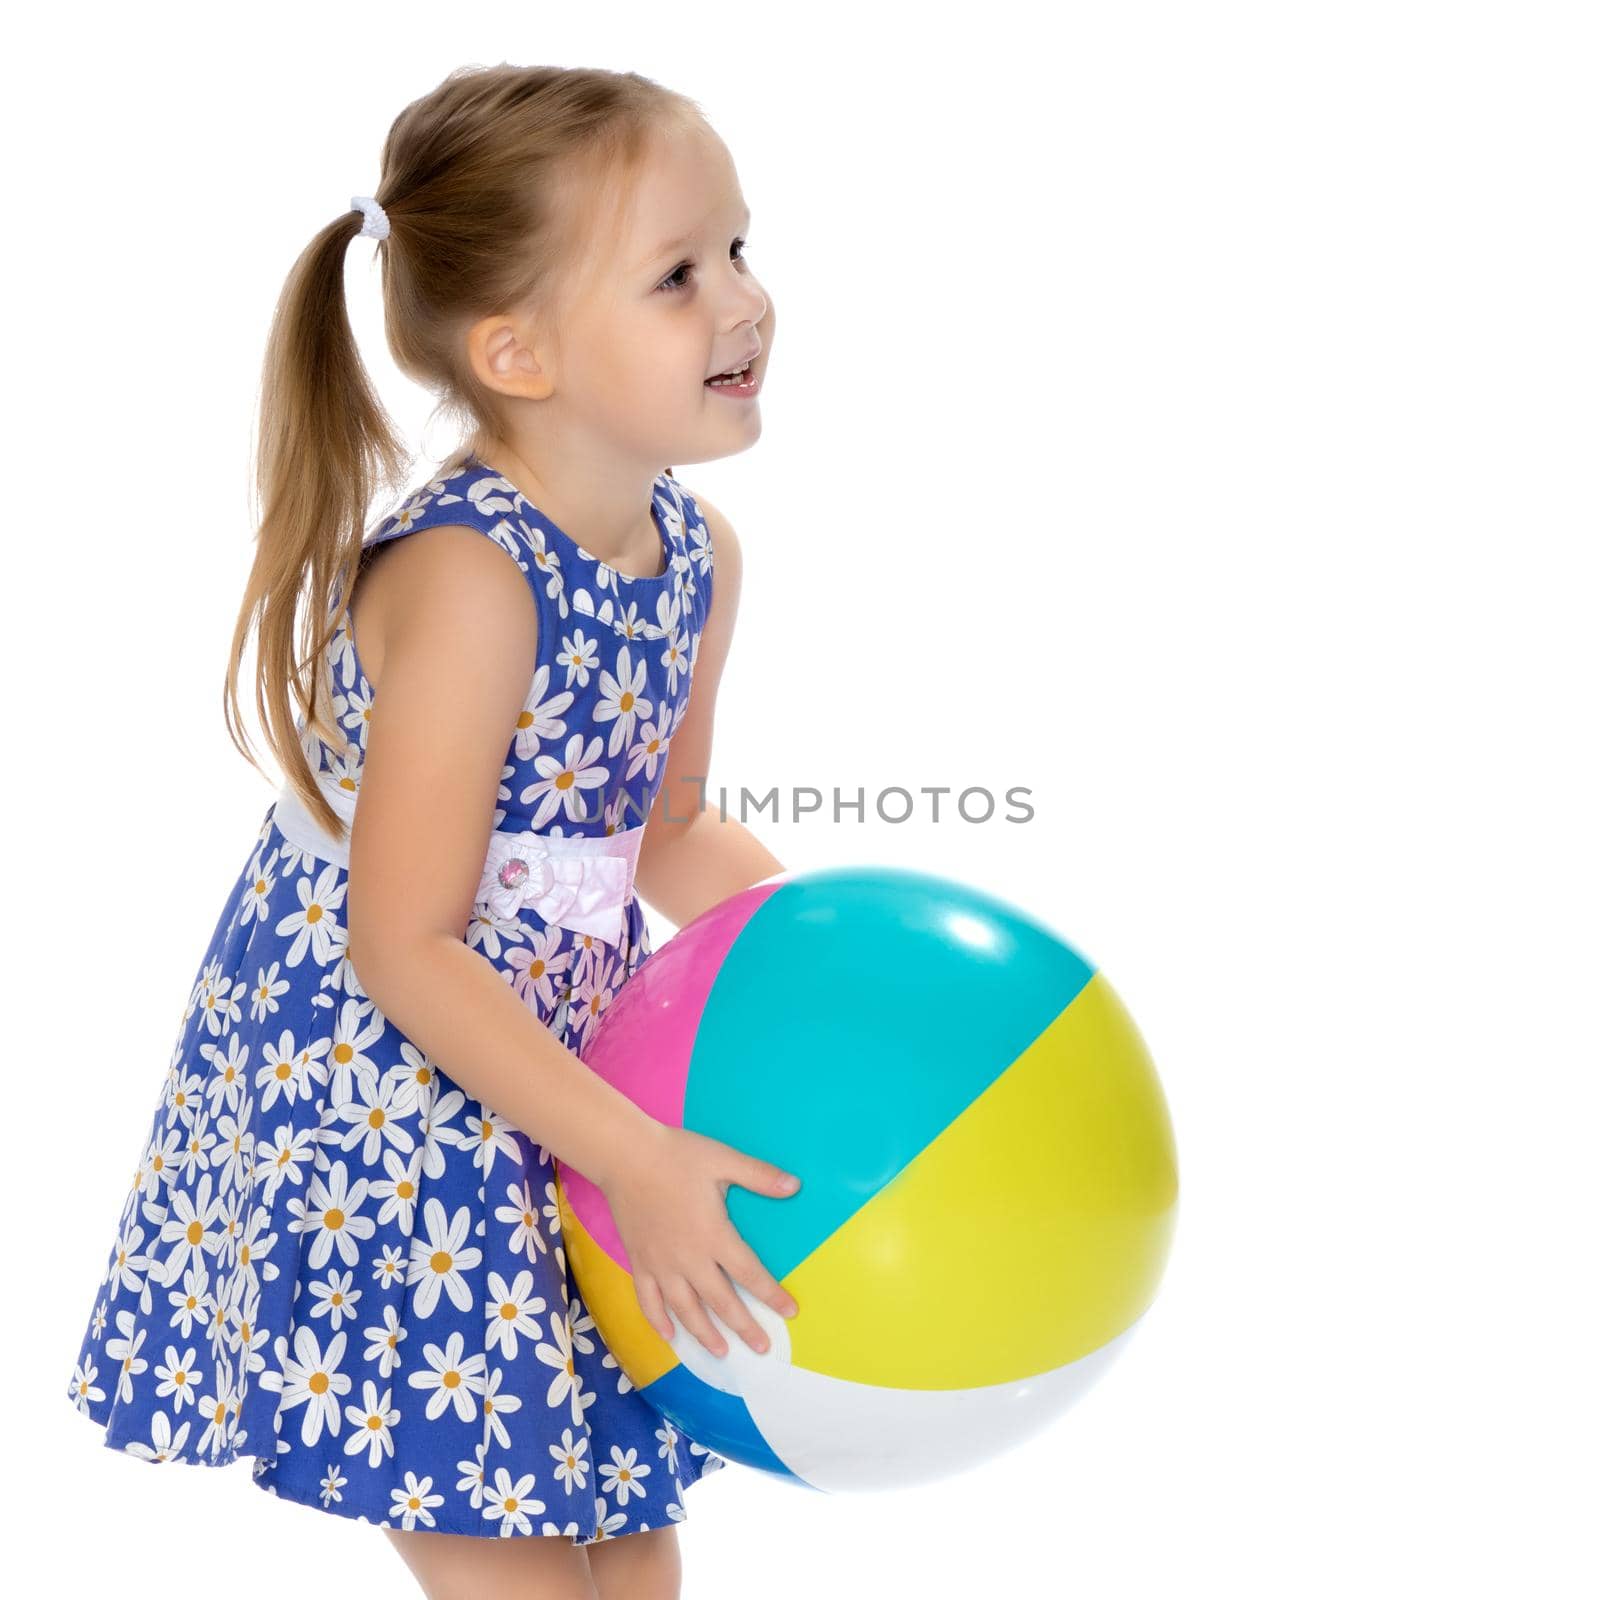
[[645, 1043]]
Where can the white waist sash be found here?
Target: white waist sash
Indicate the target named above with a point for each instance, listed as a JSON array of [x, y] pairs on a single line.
[[570, 880]]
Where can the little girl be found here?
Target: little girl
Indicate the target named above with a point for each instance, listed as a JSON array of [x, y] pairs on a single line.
[[341, 1251]]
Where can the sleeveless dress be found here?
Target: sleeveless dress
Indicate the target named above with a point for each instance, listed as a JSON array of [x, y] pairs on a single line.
[[331, 1258]]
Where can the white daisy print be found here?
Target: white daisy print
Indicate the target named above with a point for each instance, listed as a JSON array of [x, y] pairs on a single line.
[[376, 1122], [177, 1377], [310, 1378], [383, 1341], [571, 1466], [191, 1228], [511, 1503], [621, 1474], [540, 718], [124, 1351], [509, 1311], [579, 655], [567, 1381], [564, 783], [499, 1402], [471, 1482], [84, 1388], [226, 1083], [268, 991], [622, 700], [282, 1159], [331, 1214], [538, 967], [413, 1076], [165, 1443], [527, 1237], [335, 1298], [414, 1503], [396, 1190], [371, 1422], [488, 1134], [257, 897], [333, 1481], [314, 925], [290, 1071], [451, 1377], [647, 751], [441, 1257]]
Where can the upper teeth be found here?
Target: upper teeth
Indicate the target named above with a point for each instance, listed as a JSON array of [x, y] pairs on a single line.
[[729, 377]]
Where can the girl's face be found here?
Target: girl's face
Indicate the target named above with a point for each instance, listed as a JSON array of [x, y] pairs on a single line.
[[667, 300]]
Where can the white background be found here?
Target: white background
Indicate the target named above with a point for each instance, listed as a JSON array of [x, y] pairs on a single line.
[[1188, 412]]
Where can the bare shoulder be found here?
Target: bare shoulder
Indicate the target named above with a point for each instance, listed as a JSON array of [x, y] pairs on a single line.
[[459, 641], [458, 634], [430, 574]]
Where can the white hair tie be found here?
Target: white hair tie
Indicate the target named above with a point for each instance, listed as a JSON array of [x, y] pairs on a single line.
[[376, 225]]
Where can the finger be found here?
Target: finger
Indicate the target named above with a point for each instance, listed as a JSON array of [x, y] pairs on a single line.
[[762, 1177], [648, 1293], [745, 1266], [686, 1303], [722, 1299]]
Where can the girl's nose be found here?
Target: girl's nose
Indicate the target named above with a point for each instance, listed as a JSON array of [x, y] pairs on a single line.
[[751, 298]]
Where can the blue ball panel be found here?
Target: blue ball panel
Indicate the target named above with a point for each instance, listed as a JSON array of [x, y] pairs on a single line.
[[721, 1421]]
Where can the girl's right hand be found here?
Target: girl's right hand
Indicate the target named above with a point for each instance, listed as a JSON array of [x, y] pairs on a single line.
[[669, 1205]]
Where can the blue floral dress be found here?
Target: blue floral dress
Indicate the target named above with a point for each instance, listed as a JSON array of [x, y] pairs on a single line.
[[331, 1258]]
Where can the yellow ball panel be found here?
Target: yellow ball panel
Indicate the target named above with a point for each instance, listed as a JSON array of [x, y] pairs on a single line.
[[1031, 1232]]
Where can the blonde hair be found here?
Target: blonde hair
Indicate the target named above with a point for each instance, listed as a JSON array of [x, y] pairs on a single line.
[[492, 183]]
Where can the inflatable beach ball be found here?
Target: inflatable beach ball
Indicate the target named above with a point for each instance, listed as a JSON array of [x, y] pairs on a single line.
[[988, 1178]]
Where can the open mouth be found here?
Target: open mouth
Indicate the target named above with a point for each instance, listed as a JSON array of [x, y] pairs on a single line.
[[730, 379]]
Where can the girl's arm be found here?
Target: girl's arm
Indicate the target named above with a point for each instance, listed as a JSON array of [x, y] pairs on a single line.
[[691, 858], [457, 636]]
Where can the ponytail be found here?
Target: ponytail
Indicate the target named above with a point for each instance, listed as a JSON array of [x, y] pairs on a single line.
[[325, 447]]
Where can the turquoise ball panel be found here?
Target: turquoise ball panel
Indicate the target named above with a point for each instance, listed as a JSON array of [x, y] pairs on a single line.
[[860, 1011]]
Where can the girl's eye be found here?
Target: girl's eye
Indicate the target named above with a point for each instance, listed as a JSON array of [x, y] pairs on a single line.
[[671, 286]]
